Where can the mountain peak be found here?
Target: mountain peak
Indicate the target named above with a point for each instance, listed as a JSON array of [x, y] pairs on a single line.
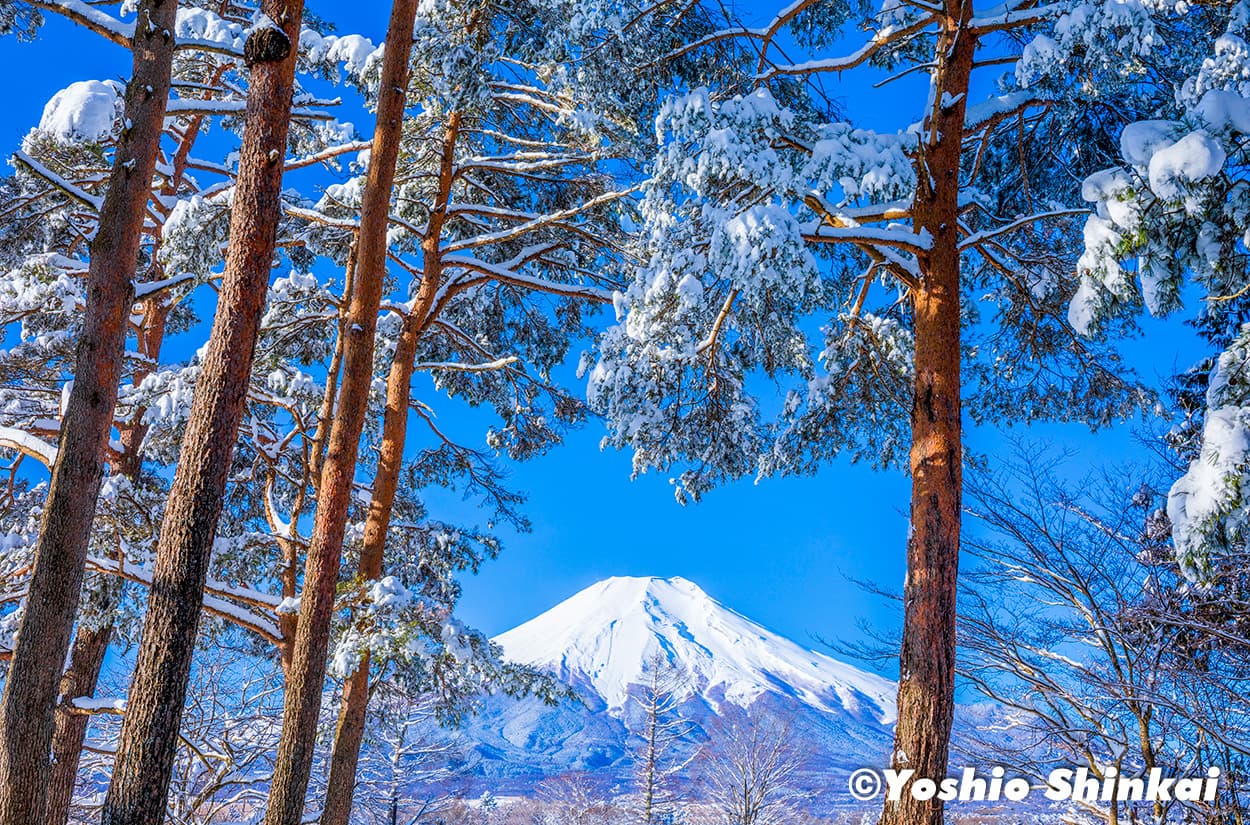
[[602, 638], [624, 589]]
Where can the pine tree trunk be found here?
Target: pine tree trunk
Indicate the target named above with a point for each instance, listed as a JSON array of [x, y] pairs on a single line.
[[43, 638], [302, 701], [149, 732], [86, 658], [349, 732], [927, 661]]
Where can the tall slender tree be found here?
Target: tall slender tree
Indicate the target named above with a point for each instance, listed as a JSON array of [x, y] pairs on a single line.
[[658, 759], [491, 243], [754, 189], [29, 703], [145, 753], [338, 472]]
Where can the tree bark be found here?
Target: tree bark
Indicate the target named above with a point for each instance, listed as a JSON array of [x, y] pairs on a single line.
[[87, 653], [302, 701], [43, 638], [149, 732], [86, 658], [349, 731], [927, 660]]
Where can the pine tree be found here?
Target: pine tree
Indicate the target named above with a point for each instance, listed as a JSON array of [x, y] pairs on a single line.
[[493, 252], [767, 214], [338, 471], [1170, 222], [43, 639], [146, 748]]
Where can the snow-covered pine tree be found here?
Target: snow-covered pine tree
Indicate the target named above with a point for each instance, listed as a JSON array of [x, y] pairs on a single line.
[[28, 707], [505, 209], [272, 478], [1169, 237], [938, 283], [336, 479], [184, 233]]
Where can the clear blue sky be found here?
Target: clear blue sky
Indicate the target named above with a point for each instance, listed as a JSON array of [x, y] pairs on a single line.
[[778, 552]]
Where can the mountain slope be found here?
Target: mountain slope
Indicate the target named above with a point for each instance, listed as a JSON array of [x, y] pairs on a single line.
[[603, 637], [600, 642]]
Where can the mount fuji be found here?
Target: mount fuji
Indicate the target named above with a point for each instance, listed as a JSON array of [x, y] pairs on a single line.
[[599, 642]]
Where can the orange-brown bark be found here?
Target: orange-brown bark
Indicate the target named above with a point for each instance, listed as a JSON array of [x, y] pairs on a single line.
[[43, 639], [141, 773], [349, 731], [927, 659], [306, 676]]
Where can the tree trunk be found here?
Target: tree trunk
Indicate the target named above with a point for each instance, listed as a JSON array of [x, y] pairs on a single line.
[[86, 658], [43, 637], [349, 732], [302, 701], [927, 661], [149, 732]]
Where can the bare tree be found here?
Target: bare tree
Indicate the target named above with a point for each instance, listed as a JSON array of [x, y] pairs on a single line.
[[405, 766], [576, 798], [658, 759], [224, 758], [1077, 624], [749, 768]]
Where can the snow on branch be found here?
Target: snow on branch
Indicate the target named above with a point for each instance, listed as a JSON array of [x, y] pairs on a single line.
[[546, 220], [1019, 223], [314, 216], [219, 599], [90, 18], [237, 107], [28, 445], [988, 112], [506, 274], [490, 366], [59, 182], [122, 32], [900, 237], [150, 288], [883, 38], [327, 154], [999, 20]]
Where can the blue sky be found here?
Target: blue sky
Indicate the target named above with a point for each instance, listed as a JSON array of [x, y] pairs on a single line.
[[780, 552]]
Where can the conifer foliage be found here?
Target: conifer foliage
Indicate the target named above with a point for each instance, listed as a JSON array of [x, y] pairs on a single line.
[[245, 501]]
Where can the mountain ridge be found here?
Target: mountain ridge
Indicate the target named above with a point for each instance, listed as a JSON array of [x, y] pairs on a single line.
[[598, 642], [606, 633]]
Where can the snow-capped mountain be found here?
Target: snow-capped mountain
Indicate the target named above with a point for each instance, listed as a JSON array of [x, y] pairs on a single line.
[[603, 637], [600, 641]]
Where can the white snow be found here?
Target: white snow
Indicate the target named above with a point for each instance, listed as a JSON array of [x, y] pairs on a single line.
[[103, 704], [357, 54], [24, 442], [83, 111], [1192, 158], [203, 26], [1225, 110], [1139, 140], [607, 633]]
